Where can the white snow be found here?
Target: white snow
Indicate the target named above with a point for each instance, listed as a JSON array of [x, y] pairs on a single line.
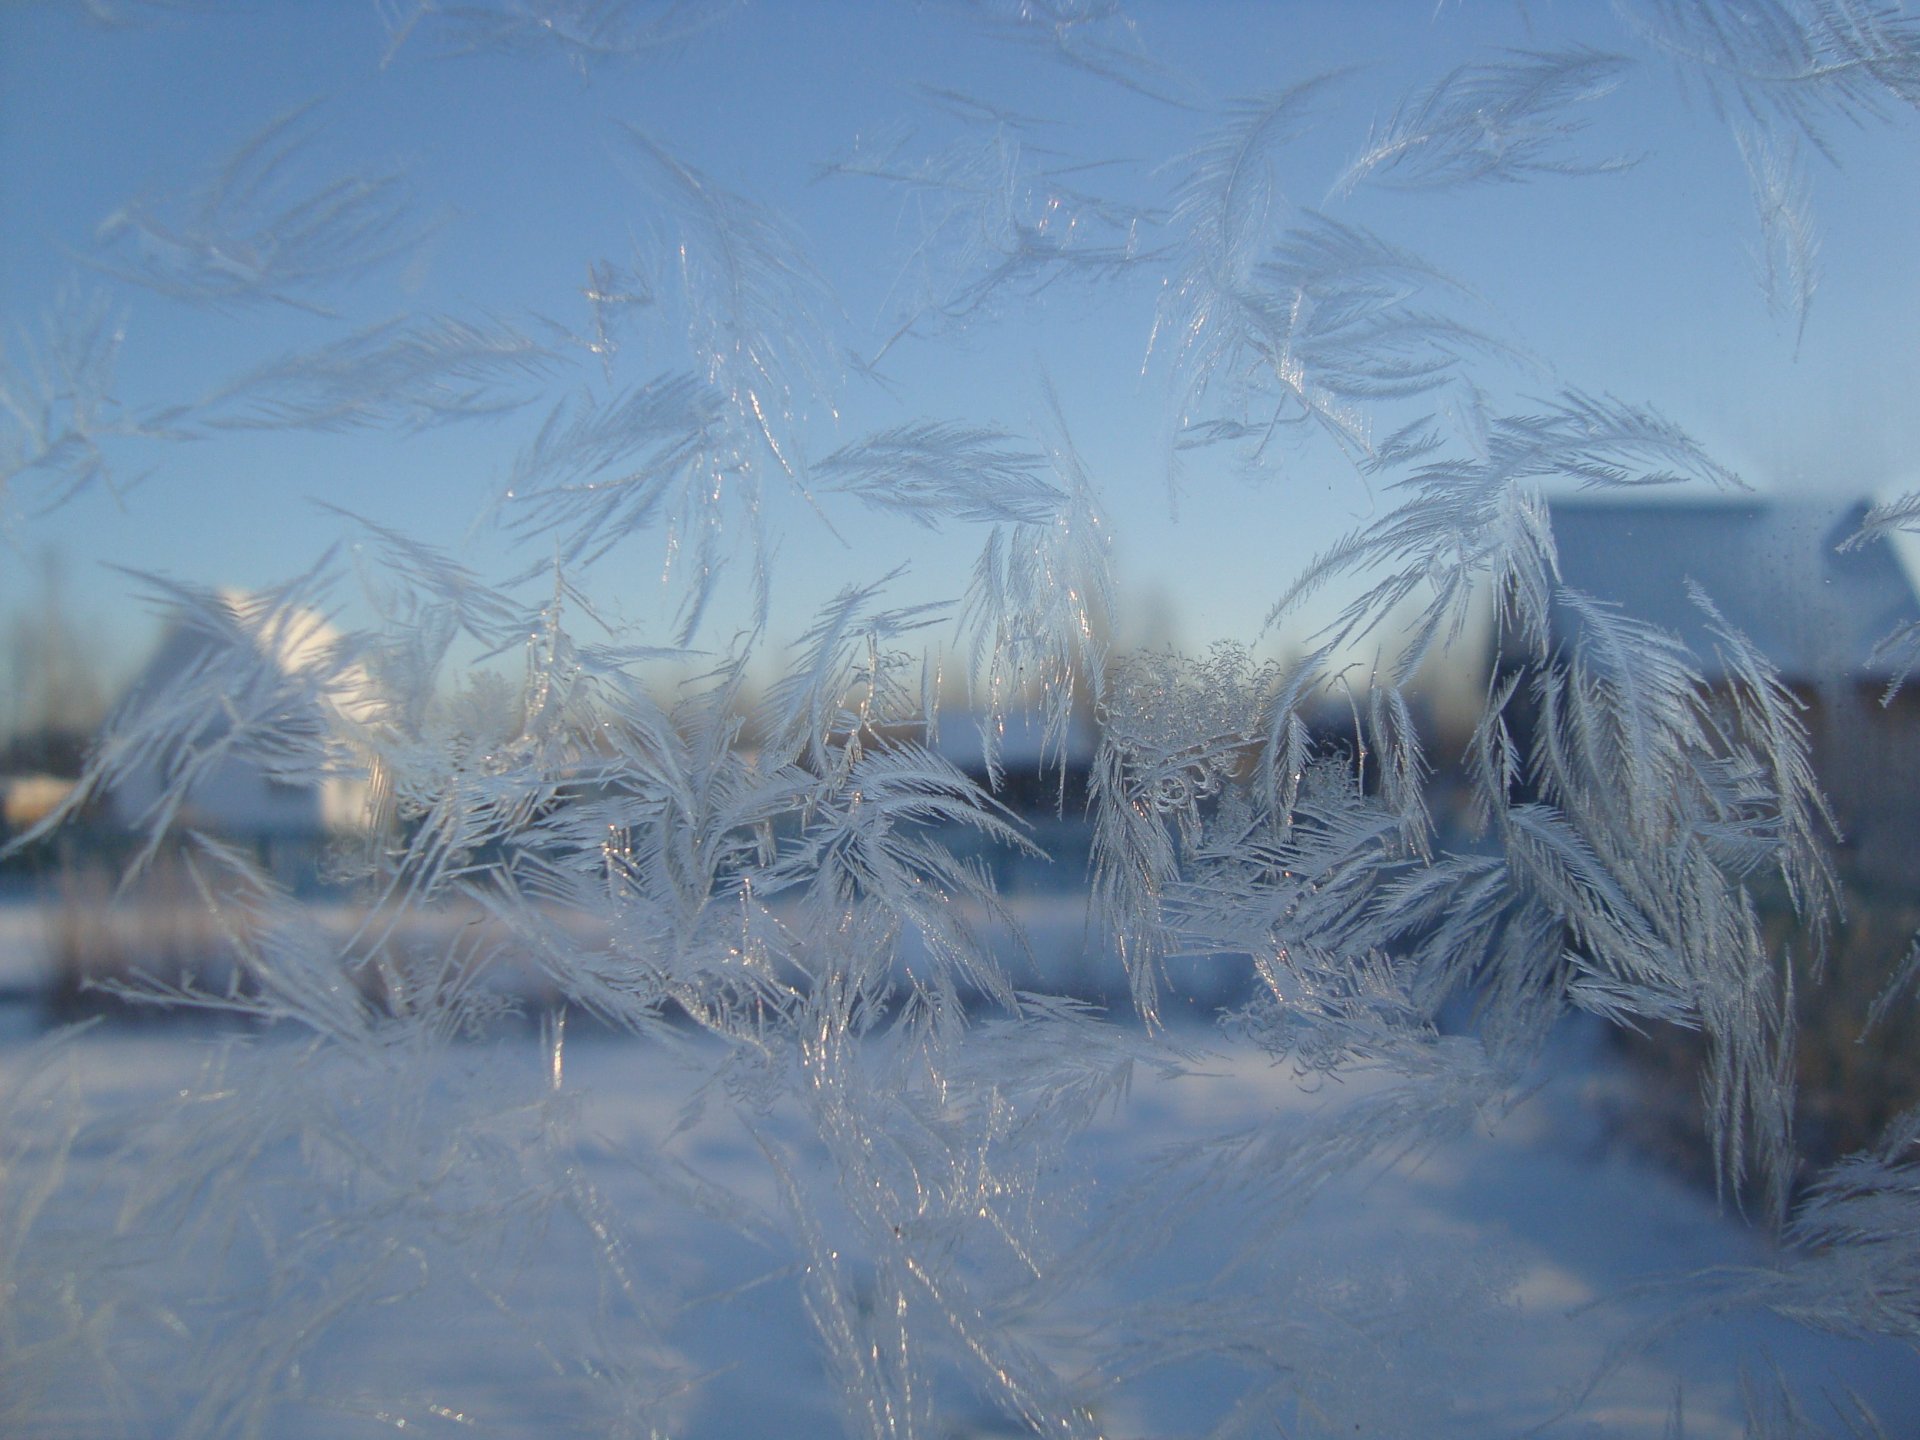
[[1537, 1208]]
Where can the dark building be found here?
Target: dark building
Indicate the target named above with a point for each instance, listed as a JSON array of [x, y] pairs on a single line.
[[1776, 570]]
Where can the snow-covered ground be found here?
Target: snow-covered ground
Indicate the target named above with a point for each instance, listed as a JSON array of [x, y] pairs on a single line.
[[1483, 1287]]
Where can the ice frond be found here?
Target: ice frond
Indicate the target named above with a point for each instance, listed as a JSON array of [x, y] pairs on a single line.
[[1302, 326], [664, 453], [1353, 325], [1326, 1347], [1852, 1267], [1900, 647], [612, 294], [1465, 522], [286, 970], [1000, 218], [59, 416], [1134, 864], [928, 1173], [1767, 723], [1332, 319], [1037, 607], [1504, 120], [252, 682], [584, 33], [1400, 764], [1062, 1063], [1779, 72], [1789, 250], [598, 471], [1637, 708], [1434, 1088], [752, 299], [854, 1078], [1485, 518], [1793, 62], [932, 470], [871, 841], [360, 1136], [425, 600], [1858, 1268], [409, 373], [1221, 830], [846, 680], [1654, 815], [1095, 36], [1886, 518], [1228, 197], [1176, 737], [50, 1318], [261, 229], [1605, 443]]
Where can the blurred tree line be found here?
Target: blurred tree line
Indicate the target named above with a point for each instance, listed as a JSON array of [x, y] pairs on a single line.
[[52, 697]]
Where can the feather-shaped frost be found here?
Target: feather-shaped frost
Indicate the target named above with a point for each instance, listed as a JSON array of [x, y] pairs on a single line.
[[1094, 36], [1857, 1267], [1305, 326], [1637, 873], [1037, 608], [412, 374], [1220, 831], [1789, 250], [1801, 63], [1002, 215], [871, 841], [846, 679], [1353, 331], [668, 453], [261, 229], [612, 294], [1766, 717], [1901, 646], [261, 680], [420, 590], [1229, 197], [59, 416], [597, 472], [1851, 1266], [1485, 518], [786, 892], [932, 471], [1503, 120], [1780, 72], [584, 33], [752, 300]]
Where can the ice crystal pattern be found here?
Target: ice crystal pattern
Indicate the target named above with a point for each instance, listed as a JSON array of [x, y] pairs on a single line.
[[781, 866]]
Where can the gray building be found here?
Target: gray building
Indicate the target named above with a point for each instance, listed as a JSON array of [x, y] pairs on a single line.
[[1776, 570]]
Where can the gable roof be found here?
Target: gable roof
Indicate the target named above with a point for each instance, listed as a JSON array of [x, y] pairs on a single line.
[[1773, 567], [243, 793]]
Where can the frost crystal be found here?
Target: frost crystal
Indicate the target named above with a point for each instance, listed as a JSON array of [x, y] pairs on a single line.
[[644, 945]]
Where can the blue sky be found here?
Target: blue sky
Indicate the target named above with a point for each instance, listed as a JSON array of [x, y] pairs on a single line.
[[1640, 284]]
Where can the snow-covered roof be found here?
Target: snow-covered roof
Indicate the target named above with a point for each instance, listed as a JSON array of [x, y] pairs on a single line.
[[1773, 568], [239, 795]]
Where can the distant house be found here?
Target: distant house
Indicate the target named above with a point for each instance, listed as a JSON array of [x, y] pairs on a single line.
[[1775, 570], [267, 791]]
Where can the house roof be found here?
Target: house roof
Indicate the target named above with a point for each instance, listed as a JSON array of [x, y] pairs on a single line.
[[1773, 568], [245, 792]]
